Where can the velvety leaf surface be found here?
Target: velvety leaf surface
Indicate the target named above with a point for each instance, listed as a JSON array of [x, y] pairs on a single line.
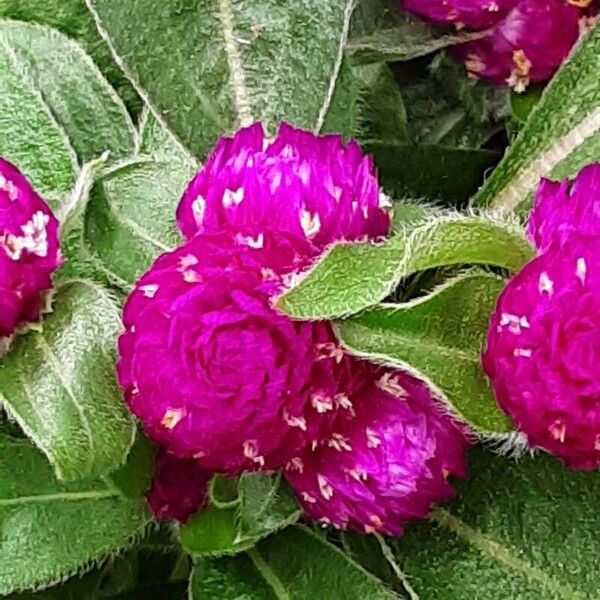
[[51, 530], [352, 277], [58, 382], [202, 64], [438, 337], [74, 20], [562, 133], [264, 505], [525, 529], [294, 565], [131, 216]]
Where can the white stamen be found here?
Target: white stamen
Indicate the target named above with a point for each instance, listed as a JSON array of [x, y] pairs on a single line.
[[391, 384], [190, 276], [321, 403], [149, 290], [581, 270], [233, 197], [198, 209], [385, 201], [308, 498], [311, 224], [330, 350], [299, 422], [257, 242], [546, 285], [324, 487], [171, 417], [189, 260], [522, 352], [373, 440], [339, 442], [296, 464], [251, 452], [558, 430], [343, 401]]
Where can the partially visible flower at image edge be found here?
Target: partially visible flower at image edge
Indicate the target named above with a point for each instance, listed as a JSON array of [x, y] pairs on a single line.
[[29, 250]]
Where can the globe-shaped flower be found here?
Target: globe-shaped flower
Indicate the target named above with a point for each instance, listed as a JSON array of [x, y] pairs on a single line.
[[29, 249], [562, 208], [527, 46], [209, 366], [385, 466], [298, 183], [179, 488], [474, 14], [543, 351]]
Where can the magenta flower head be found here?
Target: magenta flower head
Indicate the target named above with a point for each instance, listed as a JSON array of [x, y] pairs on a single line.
[[563, 208], [209, 366], [543, 351], [527, 46], [474, 14], [385, 466], [179, 488], [29, 249], [299, 183]]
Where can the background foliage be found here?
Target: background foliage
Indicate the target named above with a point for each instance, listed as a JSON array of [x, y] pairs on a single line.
[[155, 85]]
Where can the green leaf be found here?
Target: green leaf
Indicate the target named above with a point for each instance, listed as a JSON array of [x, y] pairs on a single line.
[[216, 55], [134, 477], [438, 337], [213, 532], [381, 31], [131, 216], [81, 100], [521, 104], [264, 504], [524, 530], [74, 20], [351, 277], [562, 133], [294, 565], [58, 382], [51, 531], [432, 172]]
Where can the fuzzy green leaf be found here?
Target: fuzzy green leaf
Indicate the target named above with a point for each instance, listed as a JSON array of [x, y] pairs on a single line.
[[294, 565], [562, 133], [51, 531], [130, 218], [215, 55], [58, 382], [525, 530], [264, 505], [438, 337], [351, 277]]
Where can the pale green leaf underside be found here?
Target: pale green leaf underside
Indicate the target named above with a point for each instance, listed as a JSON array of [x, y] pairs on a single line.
[[58, 382], [293, 565], [51, 531], [438, 337], [210, 66], [352, 277], [62, 110], [561, 135], [525, 530]]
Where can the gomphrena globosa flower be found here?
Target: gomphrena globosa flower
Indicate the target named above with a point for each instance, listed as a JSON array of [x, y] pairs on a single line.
[[212, 370], [527, 46], [29, 250], [384, 465], [562, 208], [543, 351], [297, 183], [179, 487], [474, 14]]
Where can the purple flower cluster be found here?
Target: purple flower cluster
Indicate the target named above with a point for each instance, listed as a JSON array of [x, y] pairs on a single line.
[[29, 250], [224, 383], [527, 41], [543, 347]]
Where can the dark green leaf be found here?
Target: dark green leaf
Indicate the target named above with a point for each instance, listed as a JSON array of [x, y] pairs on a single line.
[[51, 531], [58, 382], [134, 477], [294, 565], [203, 64], [429, 171], [562, 133], [438, 337], [524, 530], [351, 277]]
